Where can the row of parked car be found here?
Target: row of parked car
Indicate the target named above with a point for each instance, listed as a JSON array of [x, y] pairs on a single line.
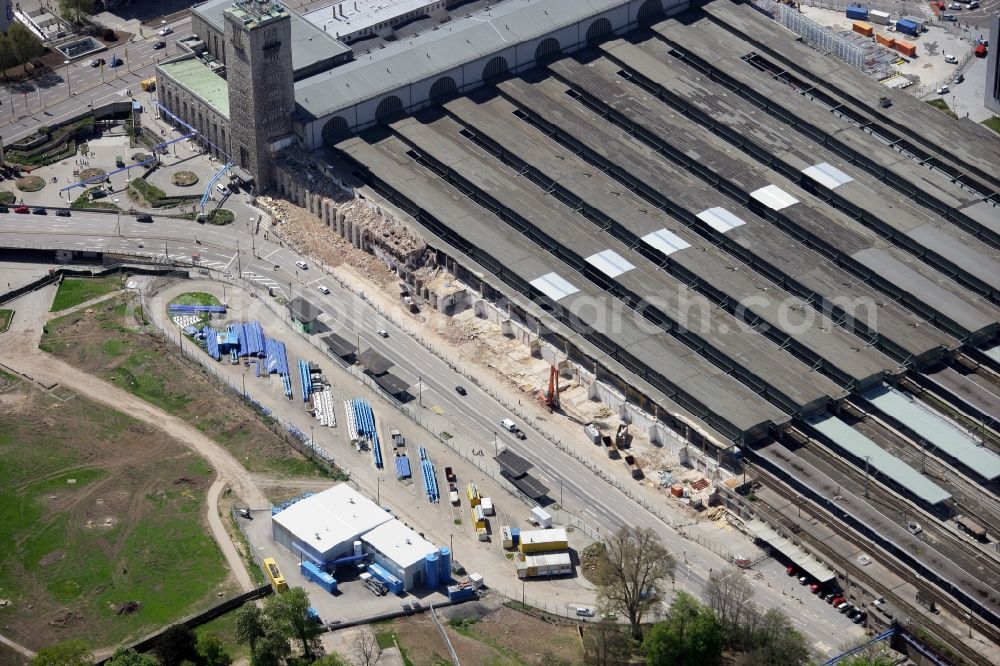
[[24, 210], [830, 595]]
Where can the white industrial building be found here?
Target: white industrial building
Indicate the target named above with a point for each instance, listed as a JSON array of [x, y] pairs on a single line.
[[325, 526], [400, 551]]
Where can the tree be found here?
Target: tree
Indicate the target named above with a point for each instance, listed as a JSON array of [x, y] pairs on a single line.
[[20, 46], [631, 572], [176, 644], [776, 641], [272, 648], [70, 653], [690, 636], [366, 648], [729, 595], [606, 644], [289, 612], [250, 627], [862, 660], [129, 657], [75, 10], [331, 659], [211, 652]]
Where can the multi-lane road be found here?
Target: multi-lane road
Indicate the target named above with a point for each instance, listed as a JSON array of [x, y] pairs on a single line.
[[235, 249]]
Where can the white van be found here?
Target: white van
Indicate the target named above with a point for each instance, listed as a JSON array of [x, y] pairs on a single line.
[[301, 264], [222, 189], [585, 612], [508, 425]]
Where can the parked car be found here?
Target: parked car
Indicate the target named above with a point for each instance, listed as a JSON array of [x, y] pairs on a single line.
[[461, 390], [814, 588], [62, 212], [950, 58], [844, 607], [22, 210], [159, 45], [144, 217], [803, 580], [790, 570], [166, 31], [943, 90], [39, 211], [301, 264], [4, 209], [859, 618], [974, 4], [958, 79], [585, 612], [322, 289]]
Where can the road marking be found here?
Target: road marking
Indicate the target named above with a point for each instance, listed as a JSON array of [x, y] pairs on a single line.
[[271, 254]]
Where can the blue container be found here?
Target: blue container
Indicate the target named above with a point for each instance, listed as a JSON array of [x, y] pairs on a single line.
[[907, 27], [457, 593], [318, 576], [394, 584], [431, 572], [444, 566], [857, 12], [515, 535]]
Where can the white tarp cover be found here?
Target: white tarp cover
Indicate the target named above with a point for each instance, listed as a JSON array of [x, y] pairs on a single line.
[[720, 219], [553, 286], [610, 263], [665, 241], [774, 197], [827, 175]]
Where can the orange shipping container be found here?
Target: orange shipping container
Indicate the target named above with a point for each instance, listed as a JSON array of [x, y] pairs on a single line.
[[677, 491], [887, 42], [906, 48], [863, 28]]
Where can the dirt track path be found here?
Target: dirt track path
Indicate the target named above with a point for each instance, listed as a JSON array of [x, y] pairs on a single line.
[[17, 647], [20, 354]]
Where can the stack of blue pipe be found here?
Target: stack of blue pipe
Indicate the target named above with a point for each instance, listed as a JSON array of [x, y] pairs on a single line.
[[430, 483], [211, 343], [255, 339], [306, 380], [197, 309], [365, 420]]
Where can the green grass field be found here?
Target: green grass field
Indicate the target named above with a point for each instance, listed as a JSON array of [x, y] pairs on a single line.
[[74, 291], [196, 298], [97, 511], [5, 317], [993, 123], [942, 106]]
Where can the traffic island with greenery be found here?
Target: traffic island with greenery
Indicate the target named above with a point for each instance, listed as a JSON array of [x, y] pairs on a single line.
[[221, 216], [145, 194], [993, 123], [5, 318], [86, 200], [18, 46], [942, 106], [30, 183], [7, 197], [184, 178]]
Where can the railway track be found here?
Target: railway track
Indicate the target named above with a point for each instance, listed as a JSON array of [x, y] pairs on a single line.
[[963, 558], [912, 613]]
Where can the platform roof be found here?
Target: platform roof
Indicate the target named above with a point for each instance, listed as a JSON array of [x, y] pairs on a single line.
[[528, 485], [375, 362], [338, 345], [330, 518], [303, 311], [943, 434], [889, 465], [399, 543], [513, 464], [392, 384], [789, 549]]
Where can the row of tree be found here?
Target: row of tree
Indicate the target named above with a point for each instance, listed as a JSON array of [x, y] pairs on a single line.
[[18, 46]]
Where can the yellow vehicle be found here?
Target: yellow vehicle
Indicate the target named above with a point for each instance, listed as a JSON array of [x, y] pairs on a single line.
[[149, 84], [274, 575]]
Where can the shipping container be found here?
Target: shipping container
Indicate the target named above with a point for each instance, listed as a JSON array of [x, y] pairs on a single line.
[[863, 28], [487, 505], [906, 48], [857, 12], [473, 493], [907, 27], [540, 517], [478, 517], [461, 592], [540, 541], [318, 576], [880, 17], [888, 42], [506, 539]]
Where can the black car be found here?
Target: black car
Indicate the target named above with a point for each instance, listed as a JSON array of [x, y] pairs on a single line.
[[4, 209], [461, 390], [62, 212], [144, 217], [39, 211], [160, 45]]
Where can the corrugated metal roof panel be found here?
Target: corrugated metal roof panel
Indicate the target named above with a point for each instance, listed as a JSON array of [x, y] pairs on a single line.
[[720, 219], [861, 447], [665, 241], [553, 286], [796, 554], [827, 175], [774, 197], [610, 263]]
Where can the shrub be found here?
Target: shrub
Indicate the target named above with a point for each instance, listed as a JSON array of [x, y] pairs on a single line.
[[221, 216], [149, 193]]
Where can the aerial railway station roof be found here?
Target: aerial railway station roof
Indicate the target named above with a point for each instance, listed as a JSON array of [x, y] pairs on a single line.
[[579, 190]]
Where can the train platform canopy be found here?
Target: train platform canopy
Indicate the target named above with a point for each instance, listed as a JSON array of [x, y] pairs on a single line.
[[861, 448], [943, 434], [801, 559], [338, 346], [392, 384], [513, 464], [529, 486]]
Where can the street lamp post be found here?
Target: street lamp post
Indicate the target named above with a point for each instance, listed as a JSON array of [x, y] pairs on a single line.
[[69, 85], [118, 219]]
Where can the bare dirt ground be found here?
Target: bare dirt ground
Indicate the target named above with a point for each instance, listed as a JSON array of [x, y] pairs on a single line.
[[486, 633]]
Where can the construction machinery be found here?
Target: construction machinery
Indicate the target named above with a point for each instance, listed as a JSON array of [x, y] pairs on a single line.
[[550, 398]]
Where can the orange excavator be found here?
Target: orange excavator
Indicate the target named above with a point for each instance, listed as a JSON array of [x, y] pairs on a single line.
[[550, 398]]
